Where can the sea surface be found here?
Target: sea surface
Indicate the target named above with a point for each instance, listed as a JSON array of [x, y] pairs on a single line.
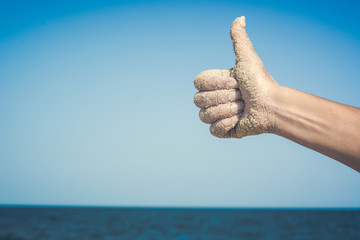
[[20, 223]]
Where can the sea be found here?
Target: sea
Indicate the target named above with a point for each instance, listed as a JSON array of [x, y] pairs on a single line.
[[22, 223]]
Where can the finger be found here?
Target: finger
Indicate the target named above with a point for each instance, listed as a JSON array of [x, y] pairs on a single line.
[[223, 127], [212, 114], [243, 47], [212, 98], [215, 79]]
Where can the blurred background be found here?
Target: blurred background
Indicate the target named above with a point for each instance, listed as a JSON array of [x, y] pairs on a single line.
[[96, 103]]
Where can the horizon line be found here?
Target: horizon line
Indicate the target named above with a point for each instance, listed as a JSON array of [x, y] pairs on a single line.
[[173, 207]]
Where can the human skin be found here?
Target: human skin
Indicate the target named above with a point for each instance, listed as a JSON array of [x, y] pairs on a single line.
[[246, 100]]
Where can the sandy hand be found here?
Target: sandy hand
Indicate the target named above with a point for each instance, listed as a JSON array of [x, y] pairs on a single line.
[[235, 102]]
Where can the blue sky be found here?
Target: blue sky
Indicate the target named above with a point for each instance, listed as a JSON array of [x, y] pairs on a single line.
[[96, 101]]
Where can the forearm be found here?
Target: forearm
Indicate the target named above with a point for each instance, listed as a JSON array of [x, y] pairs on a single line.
[[327, 127]]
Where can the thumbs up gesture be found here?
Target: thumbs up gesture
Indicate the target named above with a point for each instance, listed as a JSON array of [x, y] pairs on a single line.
[[237, 102]]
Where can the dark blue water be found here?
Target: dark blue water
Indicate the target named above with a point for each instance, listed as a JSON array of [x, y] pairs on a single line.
[[20, 223]]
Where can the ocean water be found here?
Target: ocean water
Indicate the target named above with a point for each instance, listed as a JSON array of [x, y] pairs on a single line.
[[20, 223]]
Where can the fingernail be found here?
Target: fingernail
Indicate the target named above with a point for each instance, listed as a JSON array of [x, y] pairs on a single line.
[[242, 21], [232, 84], [235, 107], [232, 96]]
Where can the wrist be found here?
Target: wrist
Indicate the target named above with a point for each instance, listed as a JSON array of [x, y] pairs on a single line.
[[273, 103]]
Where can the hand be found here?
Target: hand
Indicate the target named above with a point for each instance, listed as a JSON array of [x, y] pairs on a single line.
[[246, 100], [236, 102]]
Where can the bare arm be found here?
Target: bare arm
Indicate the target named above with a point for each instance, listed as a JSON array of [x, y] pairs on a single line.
[[246, 100], [327, 127]]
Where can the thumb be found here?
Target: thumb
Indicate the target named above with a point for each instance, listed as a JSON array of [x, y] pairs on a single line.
[[243, 47]]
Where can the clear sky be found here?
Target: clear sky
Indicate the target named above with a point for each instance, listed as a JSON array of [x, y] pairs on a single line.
[[96, 103]]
